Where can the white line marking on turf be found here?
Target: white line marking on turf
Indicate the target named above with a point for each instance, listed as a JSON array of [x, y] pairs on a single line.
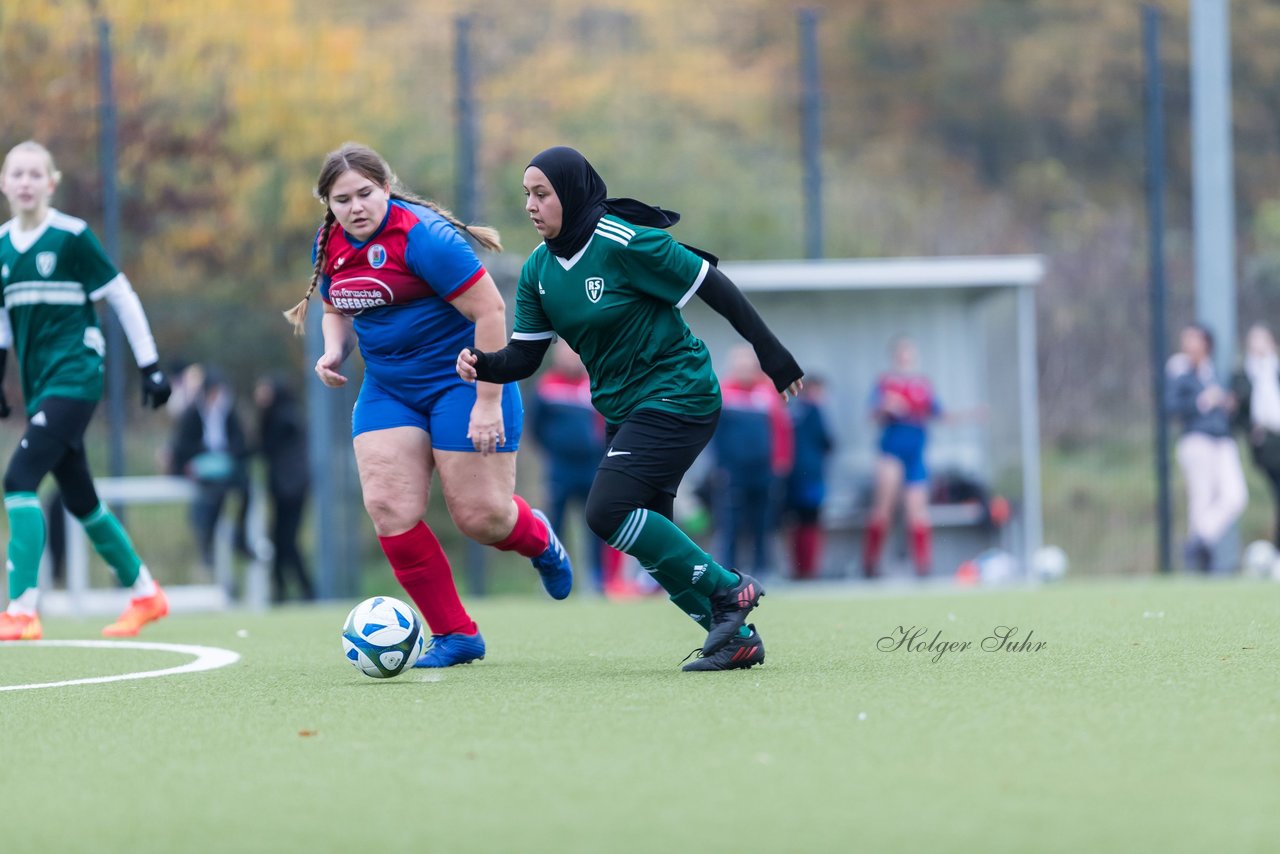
[[207, 658]]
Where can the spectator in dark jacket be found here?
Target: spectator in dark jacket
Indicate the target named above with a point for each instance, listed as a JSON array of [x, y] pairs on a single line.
[[807, 484], [282, 440], [754, 452], [1206, 451], [1256, 391], [209, 447]]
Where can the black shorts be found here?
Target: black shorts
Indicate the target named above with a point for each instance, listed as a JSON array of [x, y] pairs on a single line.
[[54, 442], [64, 418], [656, 447]]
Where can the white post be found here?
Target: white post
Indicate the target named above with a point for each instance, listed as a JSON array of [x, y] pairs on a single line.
[[1029, 418], [1213, 191], [1213, 200]]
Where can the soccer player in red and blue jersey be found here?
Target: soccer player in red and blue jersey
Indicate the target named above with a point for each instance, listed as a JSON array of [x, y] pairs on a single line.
[[609, 281], [399, 280], [903, 403]]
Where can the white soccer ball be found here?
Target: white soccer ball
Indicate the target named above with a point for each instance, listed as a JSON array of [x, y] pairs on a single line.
[[1260, 560], [1048, 563], [382, 637], [997, 566]]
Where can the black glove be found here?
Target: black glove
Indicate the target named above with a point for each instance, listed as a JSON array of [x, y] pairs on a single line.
[[779, 365], [155, 386], [4, 401]]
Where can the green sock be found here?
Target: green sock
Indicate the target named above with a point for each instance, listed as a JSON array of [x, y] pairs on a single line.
[[693, 603], [684, 597], [26, 541], [112, 542], [655, 541]]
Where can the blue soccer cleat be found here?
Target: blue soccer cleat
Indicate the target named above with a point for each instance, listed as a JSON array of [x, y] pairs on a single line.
[[448, 650], [553, 564]]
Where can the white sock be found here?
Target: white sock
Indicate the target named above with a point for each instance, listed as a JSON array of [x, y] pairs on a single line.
[[145, 585], [26, 603]]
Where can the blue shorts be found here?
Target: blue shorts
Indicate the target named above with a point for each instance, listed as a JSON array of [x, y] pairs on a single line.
[[906, 444], [444, 414]]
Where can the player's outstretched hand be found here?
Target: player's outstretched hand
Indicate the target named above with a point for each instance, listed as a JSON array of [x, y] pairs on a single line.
[[327, 370], [792, 390], [155, 386], [467, 365]]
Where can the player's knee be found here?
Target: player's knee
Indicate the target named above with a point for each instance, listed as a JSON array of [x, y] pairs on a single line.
[[22, 475], [605, 518], [484, 521], [78, 494], [390, 514], [80, 504]]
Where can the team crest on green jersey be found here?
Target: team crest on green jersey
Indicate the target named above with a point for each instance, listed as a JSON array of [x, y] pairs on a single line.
[[45, 262], [595, 288]]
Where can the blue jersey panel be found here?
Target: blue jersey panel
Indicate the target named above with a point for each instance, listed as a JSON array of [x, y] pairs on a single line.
[[395, 286], [438, 254], [414, 348]]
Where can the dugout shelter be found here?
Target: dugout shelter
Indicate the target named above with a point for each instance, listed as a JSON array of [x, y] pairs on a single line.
[[973, 321]]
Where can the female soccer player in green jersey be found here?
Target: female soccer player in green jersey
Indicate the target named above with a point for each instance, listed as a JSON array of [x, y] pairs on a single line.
[[52, 270], [611, 283]]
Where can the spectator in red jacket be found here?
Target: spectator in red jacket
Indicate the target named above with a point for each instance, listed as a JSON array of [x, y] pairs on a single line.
[[570, 434]]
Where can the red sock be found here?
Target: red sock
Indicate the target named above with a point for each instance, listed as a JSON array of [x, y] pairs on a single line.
[[610, 566], [807, 541], [423, 571], [529, 536], [872, 544], [922, 547]]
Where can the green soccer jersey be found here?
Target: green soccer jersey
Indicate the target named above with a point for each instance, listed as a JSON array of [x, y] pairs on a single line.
[[50, 278], [617, 303]]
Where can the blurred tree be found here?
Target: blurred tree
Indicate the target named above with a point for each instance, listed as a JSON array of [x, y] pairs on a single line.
[[952, 126]]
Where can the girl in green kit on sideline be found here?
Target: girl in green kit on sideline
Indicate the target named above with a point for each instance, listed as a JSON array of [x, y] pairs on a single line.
[[52, 271]]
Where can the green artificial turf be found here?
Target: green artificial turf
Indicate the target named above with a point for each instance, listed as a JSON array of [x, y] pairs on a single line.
[[1148, 721]]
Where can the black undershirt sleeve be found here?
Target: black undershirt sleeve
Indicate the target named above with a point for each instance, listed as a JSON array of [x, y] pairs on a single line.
[[519, 359], [719, 292]]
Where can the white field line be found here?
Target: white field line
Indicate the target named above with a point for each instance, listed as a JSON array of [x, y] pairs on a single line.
[[207, 658]]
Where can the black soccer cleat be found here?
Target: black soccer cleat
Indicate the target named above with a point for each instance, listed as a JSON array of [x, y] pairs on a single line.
[[729, 609], [738, 654]]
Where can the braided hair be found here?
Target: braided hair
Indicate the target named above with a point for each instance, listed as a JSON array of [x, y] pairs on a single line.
[[354, 157]]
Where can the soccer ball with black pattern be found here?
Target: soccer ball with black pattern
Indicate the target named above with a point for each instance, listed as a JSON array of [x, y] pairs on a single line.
[[382, 637]]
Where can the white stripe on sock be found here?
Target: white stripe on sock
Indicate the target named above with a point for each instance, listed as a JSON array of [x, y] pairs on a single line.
[[633, 531], [145, 585]]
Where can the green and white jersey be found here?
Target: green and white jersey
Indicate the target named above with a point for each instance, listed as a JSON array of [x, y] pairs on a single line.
[[617, 303], [49, 278]]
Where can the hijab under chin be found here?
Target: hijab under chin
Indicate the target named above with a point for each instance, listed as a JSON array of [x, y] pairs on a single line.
[[583, 200]]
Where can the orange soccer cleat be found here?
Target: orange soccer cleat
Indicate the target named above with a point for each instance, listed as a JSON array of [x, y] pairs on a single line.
[[141, 610], [19, 627]]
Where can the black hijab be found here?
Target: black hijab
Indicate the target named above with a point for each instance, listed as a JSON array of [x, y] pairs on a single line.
[[583, 200]]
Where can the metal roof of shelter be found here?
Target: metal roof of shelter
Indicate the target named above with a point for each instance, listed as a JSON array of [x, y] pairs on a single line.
[[885, 273]]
